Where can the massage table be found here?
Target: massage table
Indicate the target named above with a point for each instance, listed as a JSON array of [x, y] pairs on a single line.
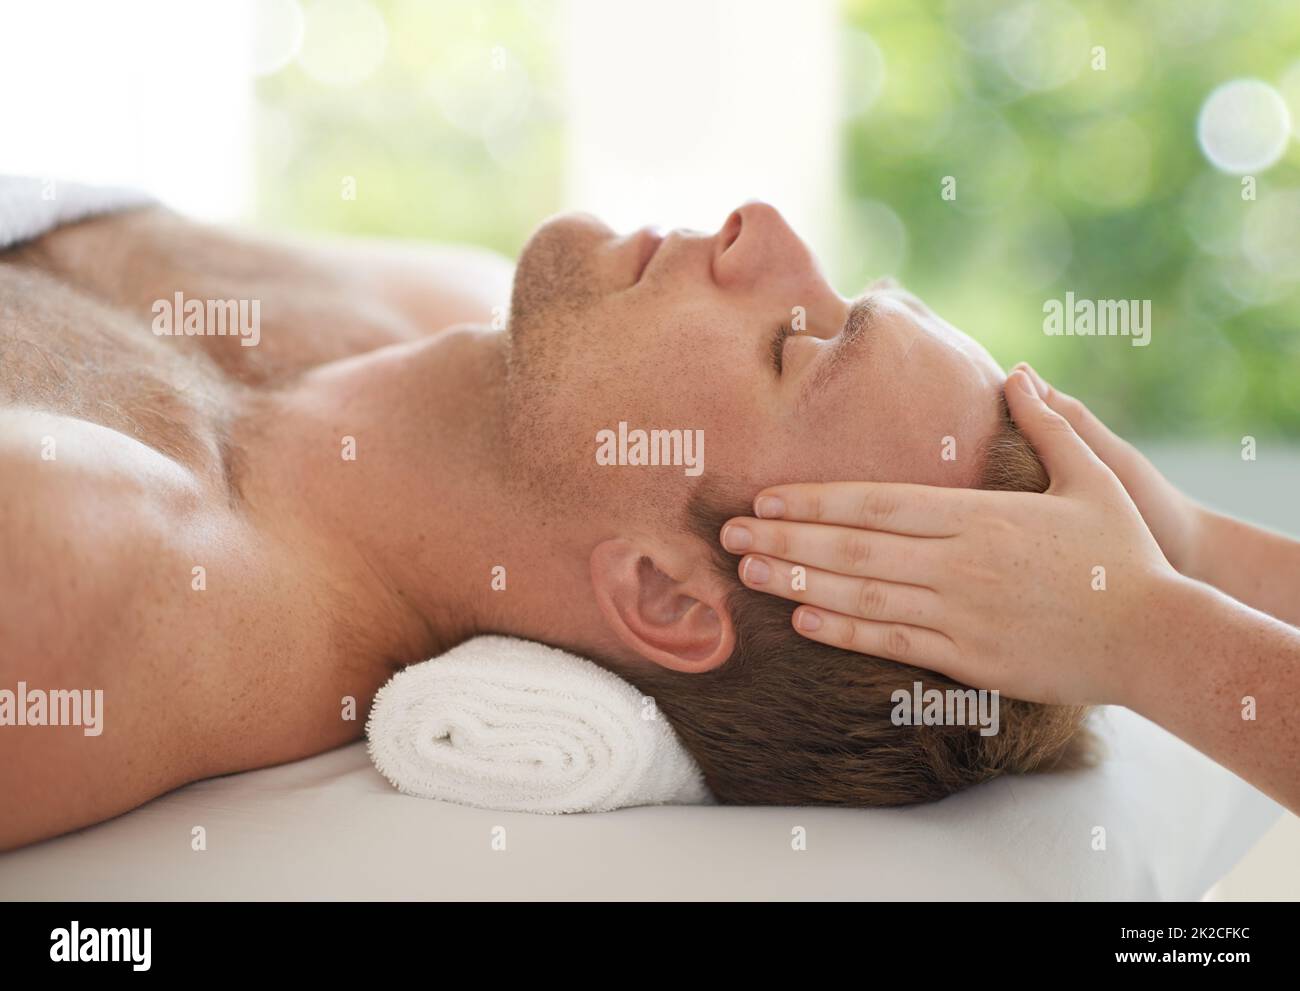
[[331, 827]]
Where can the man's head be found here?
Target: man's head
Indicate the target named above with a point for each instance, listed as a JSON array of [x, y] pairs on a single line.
[[682, 331], [738, 335]]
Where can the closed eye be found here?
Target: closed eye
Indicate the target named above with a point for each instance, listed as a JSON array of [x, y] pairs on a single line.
[[854, 337], [778, 346]]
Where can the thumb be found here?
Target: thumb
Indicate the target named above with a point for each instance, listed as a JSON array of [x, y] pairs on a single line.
[[1113, 450], [1068, 459]]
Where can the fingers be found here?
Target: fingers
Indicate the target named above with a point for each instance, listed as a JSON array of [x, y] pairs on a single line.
[[842, 549], [1107, 445], [893, 641], [1066, 456], [867, 598], [916, 510]]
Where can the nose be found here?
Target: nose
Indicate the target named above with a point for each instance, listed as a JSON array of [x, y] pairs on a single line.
[[756, 247], [761, 260]]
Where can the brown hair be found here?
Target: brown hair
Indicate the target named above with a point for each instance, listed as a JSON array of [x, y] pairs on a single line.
[[788, 721]]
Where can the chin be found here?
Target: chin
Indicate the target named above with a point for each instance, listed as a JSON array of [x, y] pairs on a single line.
[[555, 284]]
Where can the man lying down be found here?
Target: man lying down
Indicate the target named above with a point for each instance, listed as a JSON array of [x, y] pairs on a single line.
[[232, 537]]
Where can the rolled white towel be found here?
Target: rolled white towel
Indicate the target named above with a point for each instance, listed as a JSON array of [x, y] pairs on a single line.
[[518, 726]]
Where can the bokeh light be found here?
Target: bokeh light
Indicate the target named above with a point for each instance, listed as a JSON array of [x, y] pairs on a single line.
[[1045, 43], [277, 35], [1288, 86], [863, 71], [1244, 126], [343, 41], [1270, 237]]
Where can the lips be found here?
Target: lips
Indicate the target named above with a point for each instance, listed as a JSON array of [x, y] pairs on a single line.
[[646, 242]]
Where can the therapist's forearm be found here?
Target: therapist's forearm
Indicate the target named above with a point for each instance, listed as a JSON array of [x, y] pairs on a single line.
[[1225, 678], [1253, 565]]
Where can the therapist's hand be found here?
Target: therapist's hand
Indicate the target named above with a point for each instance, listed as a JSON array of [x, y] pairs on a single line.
[[1047, 597], [1175, 521]]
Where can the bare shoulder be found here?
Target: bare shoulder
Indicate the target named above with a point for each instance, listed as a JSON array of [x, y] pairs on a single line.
[[98, 536], [431, 285], [319, 298], [108, 550], [87, 517], [434, 285]]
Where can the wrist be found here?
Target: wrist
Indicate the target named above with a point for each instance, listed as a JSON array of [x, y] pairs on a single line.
[[1198, 537]]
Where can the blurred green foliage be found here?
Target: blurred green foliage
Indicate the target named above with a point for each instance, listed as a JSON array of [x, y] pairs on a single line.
[[456, 137], [1083, 179]]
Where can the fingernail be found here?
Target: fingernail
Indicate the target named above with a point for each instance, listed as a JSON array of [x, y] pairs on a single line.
[[1039, 383], [809, 621], [1027, 384], [755, 572], [736, 538], [769, 507]]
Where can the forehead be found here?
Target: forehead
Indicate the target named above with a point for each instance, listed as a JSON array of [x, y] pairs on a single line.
[[901, 305]]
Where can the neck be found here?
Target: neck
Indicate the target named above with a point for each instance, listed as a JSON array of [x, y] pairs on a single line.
[[390, 473]]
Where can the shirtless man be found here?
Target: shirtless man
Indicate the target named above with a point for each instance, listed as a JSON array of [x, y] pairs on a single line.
[[230, 541]]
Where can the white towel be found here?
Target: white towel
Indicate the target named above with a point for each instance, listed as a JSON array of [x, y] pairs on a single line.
[[30, 207], [518, 726]]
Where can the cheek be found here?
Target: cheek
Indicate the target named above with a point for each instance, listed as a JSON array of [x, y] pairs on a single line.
[[677, 368], [675, 365]]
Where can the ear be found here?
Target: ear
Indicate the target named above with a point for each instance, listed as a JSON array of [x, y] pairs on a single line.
[[666, 605]]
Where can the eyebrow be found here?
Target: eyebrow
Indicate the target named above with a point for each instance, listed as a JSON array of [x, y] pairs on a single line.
[[853, 337]]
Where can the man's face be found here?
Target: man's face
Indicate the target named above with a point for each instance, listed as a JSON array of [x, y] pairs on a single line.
[[680, 332]]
